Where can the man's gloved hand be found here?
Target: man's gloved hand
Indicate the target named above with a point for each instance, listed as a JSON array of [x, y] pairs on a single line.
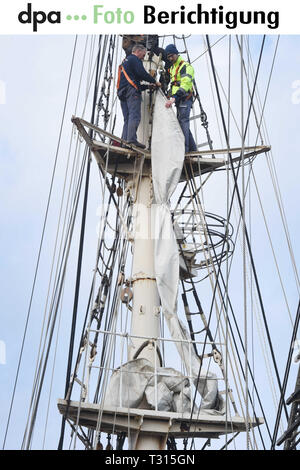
[[153, 86], [170, 102]]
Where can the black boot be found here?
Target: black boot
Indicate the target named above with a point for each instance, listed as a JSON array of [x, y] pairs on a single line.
[[137, 144]]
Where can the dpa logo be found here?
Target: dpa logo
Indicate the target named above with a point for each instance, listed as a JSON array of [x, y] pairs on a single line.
[[38, 17]]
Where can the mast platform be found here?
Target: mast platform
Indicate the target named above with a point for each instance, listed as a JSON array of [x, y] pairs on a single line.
[[122, 159], [161, 423]]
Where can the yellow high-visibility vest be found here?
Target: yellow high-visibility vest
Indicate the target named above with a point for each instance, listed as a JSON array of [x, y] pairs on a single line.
[[181, 77]]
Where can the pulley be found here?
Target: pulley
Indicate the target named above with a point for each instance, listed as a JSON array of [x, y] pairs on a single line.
[[109, 446], [217, 356], [99, 445], [126, 295], [119, 191]]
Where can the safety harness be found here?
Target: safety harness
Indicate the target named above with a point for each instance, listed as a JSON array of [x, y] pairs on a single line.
[[176, 82], [121, 69]]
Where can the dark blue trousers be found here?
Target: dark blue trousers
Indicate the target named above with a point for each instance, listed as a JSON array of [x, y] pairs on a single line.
[[183, 115], [131, 100]]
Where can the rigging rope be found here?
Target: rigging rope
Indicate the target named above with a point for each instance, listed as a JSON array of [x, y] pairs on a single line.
[[210, 317], [62, 236], [80, 254], [41, 245], [240, 205], [286, 375]]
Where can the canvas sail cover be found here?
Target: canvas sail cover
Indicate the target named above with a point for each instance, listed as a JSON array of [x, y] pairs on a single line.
[[136, 381]]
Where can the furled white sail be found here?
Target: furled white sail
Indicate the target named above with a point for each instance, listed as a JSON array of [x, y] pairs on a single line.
[[167, 157]]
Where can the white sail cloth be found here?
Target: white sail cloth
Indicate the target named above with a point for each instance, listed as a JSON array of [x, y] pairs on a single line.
[[136, 382], [167, 157]]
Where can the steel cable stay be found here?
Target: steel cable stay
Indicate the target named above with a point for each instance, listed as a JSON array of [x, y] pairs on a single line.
[[199, 307], [236, 325], [249, 94], [40, 354], [243, 219], [252, 173], [203, 115], [121, 265], [281, 396], [52, 374], [276, 185], [260, 121], [272, 168], [229, 321], [214, 44], [274, 178], [246, 233], [117, 239], [213, 96], [240, 46], [41, 242], [107, 267], [262, 115], [226, 283], [72, 178], [108, 327], [286, 376], [51, 325], [106, 281], [99, 305], [209, 321], [231, 112], [80, 254], [263, 345], [102, 239], [251, 101], [58, 225]]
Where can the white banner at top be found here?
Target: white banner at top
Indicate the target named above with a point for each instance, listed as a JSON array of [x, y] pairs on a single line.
[[150, 17]]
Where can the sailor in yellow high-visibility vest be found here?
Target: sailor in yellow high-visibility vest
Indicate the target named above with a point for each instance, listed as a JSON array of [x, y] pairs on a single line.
[[181, 81]]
